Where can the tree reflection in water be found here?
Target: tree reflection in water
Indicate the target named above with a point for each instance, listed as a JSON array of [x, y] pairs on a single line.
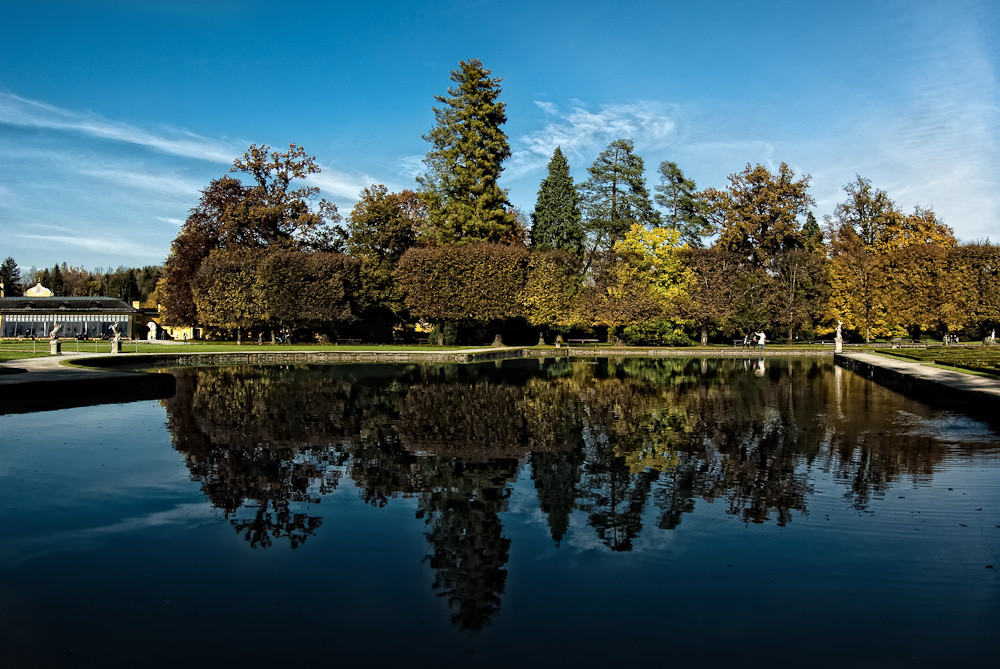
[[611, 439]]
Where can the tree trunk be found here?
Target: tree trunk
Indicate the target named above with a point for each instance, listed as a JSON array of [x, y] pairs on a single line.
[[239, 336]]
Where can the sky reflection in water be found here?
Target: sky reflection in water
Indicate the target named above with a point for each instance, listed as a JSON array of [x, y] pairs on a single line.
[[724, 511]]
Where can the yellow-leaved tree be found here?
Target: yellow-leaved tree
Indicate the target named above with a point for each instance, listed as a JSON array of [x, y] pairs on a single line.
[[889, 271], [645, 280]]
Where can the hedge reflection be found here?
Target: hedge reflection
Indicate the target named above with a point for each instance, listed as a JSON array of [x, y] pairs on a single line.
[[612, 440]]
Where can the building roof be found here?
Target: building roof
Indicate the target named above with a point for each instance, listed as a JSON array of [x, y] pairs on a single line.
[[67, 305], [38, 290]]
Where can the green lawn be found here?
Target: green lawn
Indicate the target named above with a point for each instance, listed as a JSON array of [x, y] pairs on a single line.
[[983, 359], [20, 355]]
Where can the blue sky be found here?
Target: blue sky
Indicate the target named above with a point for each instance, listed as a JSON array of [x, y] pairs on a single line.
[[114, 114]]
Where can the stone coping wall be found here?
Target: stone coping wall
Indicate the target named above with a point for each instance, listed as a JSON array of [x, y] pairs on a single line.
[[162, 360]]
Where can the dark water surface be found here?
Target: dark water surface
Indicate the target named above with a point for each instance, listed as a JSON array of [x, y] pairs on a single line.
[[724, 512]]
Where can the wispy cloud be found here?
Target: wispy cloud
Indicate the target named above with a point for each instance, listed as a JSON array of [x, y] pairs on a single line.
[[547, 107], [21, 549], [18, 111], [582, 133], [411, 166], [939, 147], [338, 185], [172, 221], [112, 245], [168, 184]]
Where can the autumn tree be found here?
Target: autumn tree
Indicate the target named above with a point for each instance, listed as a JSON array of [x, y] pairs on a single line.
[[298, 289], [978, 268], [873, 281], [644, 280], [556, 222], [471, 284], [224, 291], [270, 211], [379, 230], [464, 200], [799, 284], [711, 293], [757, 215], [274, 210], [552, 279], [615, 196], [757, 221], [925, 285], [201, 233], [686, 212]]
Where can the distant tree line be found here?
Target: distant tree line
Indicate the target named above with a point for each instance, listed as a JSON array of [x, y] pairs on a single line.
[[605, 256], [128, 284]]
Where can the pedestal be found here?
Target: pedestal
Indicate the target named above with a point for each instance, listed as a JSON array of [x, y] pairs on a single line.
[[838, 345], [116, 346], [55, 347]]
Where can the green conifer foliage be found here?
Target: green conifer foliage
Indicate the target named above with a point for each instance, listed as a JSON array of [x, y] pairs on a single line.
[[464, 201], [10, 277], [556, 221], [615, 196], [686, 212]]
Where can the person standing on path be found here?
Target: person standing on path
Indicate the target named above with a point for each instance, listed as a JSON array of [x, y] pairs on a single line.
[[761, 339]]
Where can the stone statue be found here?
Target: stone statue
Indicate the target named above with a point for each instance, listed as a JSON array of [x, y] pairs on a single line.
[[152, 330], [114, 329], [839, 339], [55, 331]]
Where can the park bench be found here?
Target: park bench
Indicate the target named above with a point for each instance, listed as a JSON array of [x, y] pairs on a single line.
[[584, 341], [348, 340], [899, 342]]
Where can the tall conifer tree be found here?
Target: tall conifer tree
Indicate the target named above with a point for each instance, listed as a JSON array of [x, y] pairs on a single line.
[[10, 277], [686, 213], [615, 196], [464, 201], [556, 222]]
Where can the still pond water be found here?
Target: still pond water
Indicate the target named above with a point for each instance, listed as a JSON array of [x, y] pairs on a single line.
[[529, 513]]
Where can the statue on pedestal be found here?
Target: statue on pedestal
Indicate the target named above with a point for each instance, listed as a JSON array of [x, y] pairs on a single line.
[[839, 339], [55, 346]]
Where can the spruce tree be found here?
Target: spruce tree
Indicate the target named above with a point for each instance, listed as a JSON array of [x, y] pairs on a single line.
[[10, 277], [615, 196], [686, 213], [556, 222], [58, 288], [464, 201]]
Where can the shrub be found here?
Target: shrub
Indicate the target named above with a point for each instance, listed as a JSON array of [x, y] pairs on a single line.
[[659, 332]]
